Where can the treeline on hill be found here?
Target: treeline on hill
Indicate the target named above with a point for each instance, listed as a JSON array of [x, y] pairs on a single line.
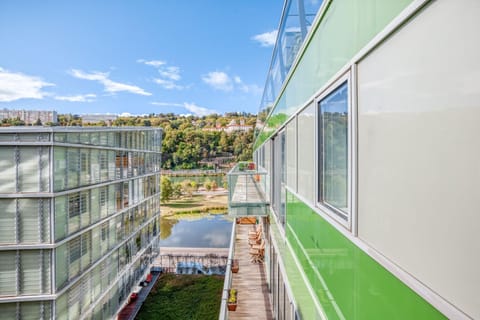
[[187, 140]]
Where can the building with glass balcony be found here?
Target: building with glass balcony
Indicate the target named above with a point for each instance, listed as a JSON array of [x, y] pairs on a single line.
[[79, 219], [367, 135]]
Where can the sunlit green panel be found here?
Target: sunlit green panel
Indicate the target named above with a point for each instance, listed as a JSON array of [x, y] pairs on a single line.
[[346, 27], [304, 301], [348, 283]]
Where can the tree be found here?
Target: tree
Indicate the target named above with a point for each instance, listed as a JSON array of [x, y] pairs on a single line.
[[207, 184], [177, 190], [187, 187], [214, 185], [166, 189]]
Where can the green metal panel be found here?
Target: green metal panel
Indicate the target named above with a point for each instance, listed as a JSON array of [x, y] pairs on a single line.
[[346, 27], [304, 301], [348, 283]]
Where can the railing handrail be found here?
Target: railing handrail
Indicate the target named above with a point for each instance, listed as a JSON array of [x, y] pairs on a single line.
[[236, 171], [228, 274]]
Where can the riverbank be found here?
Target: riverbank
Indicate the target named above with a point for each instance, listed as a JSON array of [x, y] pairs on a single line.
[[200, 202]]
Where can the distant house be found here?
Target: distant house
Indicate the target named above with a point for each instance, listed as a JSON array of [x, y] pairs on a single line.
[[29, 116], [98, 117], [233, 126]]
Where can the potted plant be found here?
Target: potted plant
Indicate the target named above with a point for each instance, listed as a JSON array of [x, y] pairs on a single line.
[[235, 266], [232, 300]]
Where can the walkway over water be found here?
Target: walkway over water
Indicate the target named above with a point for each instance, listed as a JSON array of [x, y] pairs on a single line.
[[247, 191], [250, 281]]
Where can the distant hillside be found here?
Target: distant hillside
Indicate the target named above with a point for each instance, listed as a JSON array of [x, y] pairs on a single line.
[[192, 142]]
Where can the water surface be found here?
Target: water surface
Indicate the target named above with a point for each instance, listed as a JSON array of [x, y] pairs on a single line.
[[205, 231]]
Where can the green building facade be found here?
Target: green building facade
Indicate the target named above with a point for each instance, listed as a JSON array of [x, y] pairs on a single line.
[[365, 130]]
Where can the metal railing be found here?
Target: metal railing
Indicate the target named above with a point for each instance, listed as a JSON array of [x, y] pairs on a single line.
[[228, 275], [246, 190]]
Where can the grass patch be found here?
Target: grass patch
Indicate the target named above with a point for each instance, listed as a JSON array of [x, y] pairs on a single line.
[[183, 297], [195, 205], [185, 205]]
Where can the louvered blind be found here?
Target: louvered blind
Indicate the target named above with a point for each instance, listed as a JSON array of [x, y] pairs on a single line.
[[31, 272], [28, 169], [30, 222], [7, 221], [7, 168], [8, 274]]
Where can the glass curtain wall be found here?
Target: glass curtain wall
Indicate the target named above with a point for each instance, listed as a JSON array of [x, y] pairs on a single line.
[[24, 169]]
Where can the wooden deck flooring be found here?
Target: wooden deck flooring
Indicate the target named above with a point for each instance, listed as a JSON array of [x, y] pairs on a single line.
[[250, 281]]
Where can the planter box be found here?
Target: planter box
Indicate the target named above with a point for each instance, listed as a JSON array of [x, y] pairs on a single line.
[[235, 266], [232, 300]]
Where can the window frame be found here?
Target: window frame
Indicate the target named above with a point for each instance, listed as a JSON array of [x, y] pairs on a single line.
[[344, 217]]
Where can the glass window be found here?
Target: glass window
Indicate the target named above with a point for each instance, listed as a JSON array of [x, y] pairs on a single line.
[[30, 224], [31, 272], [7, 168], [86, 249], [84, 166], [61, 267], [7, 221], [59, 169], [291, 154], [74, 207], [278, 176], [96, 236], [306, 152], [73, 167], [60, 217], [95, 204], [85, 208], [333, 149], [28, 177], [74, 251], [8, 273]]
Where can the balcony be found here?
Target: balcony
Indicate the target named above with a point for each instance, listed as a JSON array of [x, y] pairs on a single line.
[[253, 300], [246, 195]]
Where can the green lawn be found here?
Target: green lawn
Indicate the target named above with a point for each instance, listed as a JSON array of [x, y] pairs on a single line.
[[183, 297], [196, 204]]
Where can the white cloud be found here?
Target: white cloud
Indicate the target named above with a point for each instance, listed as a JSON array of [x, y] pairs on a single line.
[[90, 97], [247, 88], [169, 75], [167, 84], [172, 73], [167, 104], [15, 86], [192, 107], [153, 63], [218, 80], [222, 81], [266, 39], [199, 111], [109, 85]]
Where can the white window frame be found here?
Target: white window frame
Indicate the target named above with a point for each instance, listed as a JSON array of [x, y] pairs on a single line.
[[342, 217]]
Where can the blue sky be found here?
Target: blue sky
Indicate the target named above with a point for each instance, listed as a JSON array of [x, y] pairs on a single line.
[[137, 57]]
